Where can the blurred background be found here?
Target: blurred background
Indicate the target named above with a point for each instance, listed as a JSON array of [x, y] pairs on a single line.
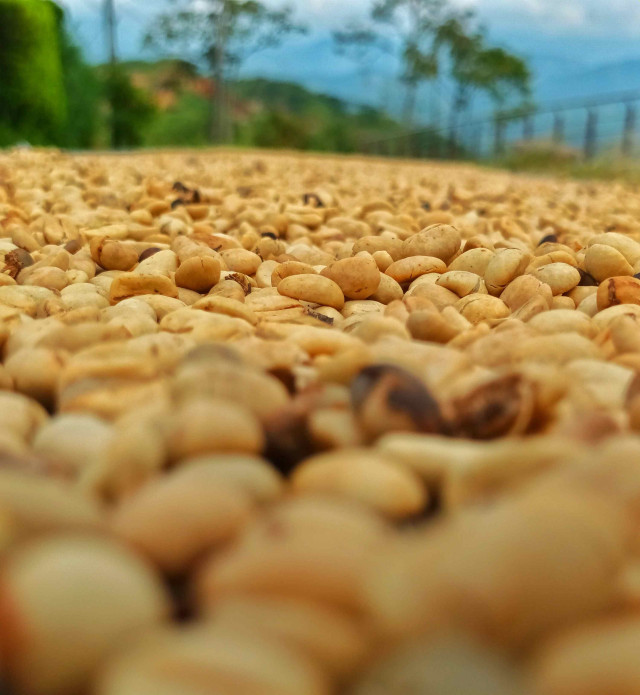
[[527, 84]]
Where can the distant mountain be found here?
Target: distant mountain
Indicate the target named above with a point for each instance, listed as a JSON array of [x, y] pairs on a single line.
[[605, 79]]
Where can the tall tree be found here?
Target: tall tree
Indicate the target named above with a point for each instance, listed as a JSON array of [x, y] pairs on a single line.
[[475, 66], [409, 27], [223, 34], [505, 75]]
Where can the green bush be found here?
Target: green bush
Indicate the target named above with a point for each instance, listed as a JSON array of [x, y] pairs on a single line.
[[131, 109], [33, 103], [85, 123], [184, 125]]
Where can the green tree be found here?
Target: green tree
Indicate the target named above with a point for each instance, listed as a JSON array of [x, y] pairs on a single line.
[[33, 102], [505, 75], [131, 108], [408, 26], [224, 33], [474, 66], [83, 92]]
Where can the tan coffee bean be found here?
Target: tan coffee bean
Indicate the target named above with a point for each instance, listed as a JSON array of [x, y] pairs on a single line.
[[206, 425], [330, 571], [462, 282], [389, 290], [38, 505], [553, 257], [265, 273], [324, 636], [628, 247], [389, 490], [241, 261], [472, 261], [96, 593], [561, 302], [408, 269], [371, 244], [560, 277], [288, 268], [564, 320], [21, 415], [358, 277], [132, 285], [198, 273], [430, 326], [604, 262], [524, 288], [176, 518], [35, 372], [72, 442], [162, 263], [312, 288], [481, 307], [113, 255], [439, 240], [369, 329], [503, 268], [255, 476], [383, 260], [618, 290], [230, 380], [578, 661], [440, 296], [218, 304], [223, 659]]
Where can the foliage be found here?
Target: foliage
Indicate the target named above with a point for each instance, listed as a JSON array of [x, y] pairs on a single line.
[[431, 37], [131, 108], [33, 104], [269, 114], [223, 34], [184, 125], [84, 91], [411, 24], [549, 158]]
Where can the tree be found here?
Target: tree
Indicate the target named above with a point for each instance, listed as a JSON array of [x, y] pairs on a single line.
[[408, 26], [131, 109], [33, 104], [223, 34], [474, 66], [505, 74]]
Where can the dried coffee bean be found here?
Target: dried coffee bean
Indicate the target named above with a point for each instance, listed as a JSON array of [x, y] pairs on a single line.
[[386, 398]]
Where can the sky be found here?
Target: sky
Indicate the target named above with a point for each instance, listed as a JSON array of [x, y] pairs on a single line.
[[561, 39], [611, 20]]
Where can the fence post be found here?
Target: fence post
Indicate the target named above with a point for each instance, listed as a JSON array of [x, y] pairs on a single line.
[[527, 127], [558, 128], [629, 129], [590, 134]]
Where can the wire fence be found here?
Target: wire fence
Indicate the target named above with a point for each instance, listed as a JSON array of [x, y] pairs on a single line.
[[585, 127]]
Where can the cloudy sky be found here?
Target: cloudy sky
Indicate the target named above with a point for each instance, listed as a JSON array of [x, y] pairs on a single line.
[[559, 37]]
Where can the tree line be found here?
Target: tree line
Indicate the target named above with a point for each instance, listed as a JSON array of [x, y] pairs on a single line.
[[427, 38], [50, 95]]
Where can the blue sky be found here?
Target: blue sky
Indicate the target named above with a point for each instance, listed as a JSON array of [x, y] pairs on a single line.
[[561, 38]]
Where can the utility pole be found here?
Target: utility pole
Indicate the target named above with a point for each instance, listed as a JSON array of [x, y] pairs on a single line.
[[110, 27], [110, 32]]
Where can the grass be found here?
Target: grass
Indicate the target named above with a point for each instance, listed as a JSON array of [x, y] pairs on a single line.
[[565, 162]]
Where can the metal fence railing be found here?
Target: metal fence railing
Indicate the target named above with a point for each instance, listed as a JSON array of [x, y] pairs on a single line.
[[588, 126]]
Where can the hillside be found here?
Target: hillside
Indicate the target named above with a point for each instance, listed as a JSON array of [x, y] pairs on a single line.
[[266, 113]]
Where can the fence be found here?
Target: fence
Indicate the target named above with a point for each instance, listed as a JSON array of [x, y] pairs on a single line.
[[588, 126]]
